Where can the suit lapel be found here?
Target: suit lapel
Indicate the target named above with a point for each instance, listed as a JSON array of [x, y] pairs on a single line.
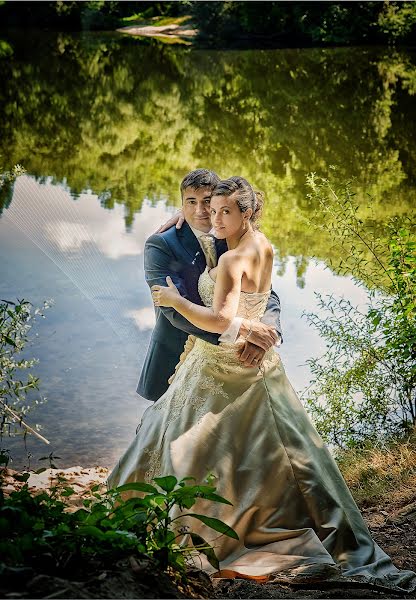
[[221, 247], [192, 246]]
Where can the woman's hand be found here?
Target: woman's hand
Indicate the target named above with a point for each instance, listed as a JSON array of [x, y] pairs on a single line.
[[165, 296], [178, 219]]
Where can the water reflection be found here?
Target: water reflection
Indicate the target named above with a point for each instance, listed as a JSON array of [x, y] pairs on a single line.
[[128, 119]]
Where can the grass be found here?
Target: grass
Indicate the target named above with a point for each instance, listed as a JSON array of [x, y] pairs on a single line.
[[381, 473]]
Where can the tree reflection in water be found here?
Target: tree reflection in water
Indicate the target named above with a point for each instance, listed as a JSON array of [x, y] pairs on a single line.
[[127, 119]]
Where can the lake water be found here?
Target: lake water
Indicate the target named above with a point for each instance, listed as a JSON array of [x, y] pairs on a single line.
[[106, 127]]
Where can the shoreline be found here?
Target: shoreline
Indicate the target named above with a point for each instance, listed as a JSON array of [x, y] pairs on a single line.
[[392, 523], [81, 479]]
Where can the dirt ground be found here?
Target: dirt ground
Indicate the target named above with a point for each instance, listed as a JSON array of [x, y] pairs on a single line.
[[393, 526]]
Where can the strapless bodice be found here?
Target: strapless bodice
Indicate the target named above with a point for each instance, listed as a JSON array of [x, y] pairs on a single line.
[[252, 305]]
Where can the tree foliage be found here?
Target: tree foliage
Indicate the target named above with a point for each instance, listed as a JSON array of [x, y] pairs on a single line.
[[304, 23], [230, 21]]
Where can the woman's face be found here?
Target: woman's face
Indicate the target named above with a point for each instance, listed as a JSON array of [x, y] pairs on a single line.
[[226, 216]]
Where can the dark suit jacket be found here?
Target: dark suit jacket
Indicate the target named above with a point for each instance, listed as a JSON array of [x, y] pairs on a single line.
[[177, 253]]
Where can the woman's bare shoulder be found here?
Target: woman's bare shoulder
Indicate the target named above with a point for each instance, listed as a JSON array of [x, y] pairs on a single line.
[[230, 257], [264, 240]]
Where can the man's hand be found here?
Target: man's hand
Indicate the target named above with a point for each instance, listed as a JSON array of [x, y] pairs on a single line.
[[261, 335], [251, 355], [178, 219]]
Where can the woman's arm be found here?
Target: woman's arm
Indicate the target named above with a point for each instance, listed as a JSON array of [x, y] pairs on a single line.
[[158, 261], [226, 297]]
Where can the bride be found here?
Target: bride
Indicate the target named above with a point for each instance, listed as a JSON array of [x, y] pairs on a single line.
[[290, 505]]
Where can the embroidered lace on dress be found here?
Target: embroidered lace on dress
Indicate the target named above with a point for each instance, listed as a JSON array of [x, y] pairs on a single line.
[[252, 306], [192, 385]]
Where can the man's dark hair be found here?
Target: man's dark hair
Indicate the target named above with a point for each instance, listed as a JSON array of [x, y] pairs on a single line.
[[200, 178]]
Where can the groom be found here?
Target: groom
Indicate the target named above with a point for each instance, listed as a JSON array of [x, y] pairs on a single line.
[[183, 254]]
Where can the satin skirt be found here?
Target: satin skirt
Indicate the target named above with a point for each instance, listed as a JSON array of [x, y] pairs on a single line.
[[290, 506]]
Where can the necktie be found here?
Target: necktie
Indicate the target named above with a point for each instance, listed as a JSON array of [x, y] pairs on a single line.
[[207, 242]]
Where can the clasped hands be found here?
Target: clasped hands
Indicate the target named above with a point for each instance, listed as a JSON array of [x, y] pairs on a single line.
[[259, 337]]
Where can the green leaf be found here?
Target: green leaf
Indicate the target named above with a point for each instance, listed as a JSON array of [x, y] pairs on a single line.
[[216, 498], [167, 483], [159, 500], [187, 479], [90, 530], [215, 524], [23, 477], [9, 341], [81, 514], [201, 545], [186, 501], [137, 486]]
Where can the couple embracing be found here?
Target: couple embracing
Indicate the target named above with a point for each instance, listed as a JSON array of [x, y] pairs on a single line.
[[223, 404]]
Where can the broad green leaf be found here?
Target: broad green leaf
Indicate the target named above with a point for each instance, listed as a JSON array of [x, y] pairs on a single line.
[[216, 498], [81, 514], [167, 483], [158, 499], [215, 524], [203, 546], [90, 530], [137, 486], [186, 501]]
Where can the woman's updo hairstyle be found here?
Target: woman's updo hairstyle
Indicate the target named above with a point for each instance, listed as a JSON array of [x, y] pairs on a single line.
[[245, 198]]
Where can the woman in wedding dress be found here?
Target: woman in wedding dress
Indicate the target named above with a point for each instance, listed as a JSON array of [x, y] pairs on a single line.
[[291, 507]]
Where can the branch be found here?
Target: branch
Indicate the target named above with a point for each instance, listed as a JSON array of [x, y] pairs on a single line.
[[27, 427]]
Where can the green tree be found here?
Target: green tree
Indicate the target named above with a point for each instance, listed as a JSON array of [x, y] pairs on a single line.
[[397, 20]]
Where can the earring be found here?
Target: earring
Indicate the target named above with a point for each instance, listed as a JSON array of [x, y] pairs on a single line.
[[244, 224]]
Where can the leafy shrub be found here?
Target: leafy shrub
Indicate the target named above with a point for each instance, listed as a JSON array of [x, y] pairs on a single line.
[[38, 531], [16, 320], [365, 384]]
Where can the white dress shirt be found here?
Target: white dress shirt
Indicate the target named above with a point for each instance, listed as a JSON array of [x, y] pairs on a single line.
[[230, 335]]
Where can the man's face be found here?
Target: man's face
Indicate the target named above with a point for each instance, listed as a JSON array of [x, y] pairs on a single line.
[[196, 210]]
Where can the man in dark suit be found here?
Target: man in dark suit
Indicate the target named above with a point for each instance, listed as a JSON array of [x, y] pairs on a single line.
[[182, 254]]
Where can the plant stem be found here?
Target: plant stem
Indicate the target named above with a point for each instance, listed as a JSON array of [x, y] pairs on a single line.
[[25, 425]]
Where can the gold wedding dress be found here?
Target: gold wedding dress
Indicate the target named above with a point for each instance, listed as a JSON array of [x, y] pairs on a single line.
[[291, 507]]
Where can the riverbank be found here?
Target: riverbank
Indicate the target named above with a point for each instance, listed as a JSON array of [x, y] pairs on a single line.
[[382, 480]]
